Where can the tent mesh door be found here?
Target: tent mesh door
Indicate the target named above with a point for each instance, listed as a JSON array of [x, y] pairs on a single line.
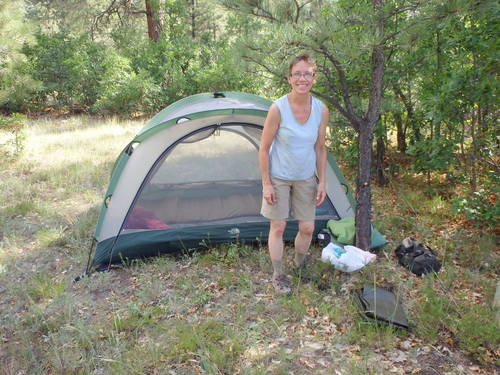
[[211, 176]]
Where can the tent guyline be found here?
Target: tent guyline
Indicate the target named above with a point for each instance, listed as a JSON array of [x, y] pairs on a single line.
[[191, 178]]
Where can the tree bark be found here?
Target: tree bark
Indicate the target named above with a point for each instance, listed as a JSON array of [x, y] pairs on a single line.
[[365, 136], [193, 19], [154, 25], [381, 178], [439, 68], [363, 189], [400, 133]]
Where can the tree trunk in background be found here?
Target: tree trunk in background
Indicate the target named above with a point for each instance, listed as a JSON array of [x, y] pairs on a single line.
[[153, 19], [193, 19], [473, 164], [381, 178], [439, 65], [400, 133]]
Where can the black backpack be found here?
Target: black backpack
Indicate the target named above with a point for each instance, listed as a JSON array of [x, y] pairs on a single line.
[[418, 258]]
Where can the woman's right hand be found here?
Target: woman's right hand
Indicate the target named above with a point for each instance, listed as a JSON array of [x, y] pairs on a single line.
[[268, 193]]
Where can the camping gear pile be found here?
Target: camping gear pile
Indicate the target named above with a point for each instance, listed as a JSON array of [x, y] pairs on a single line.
[[337, 240]]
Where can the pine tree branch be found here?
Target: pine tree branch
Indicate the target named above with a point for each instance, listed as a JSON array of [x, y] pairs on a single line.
[[261, 64], [399, 92], [335, 100], [251, 7], [114, 8], [410, 25], [299, 8], [344, 85]]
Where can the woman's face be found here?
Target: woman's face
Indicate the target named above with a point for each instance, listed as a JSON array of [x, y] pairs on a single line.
[[302, 77]]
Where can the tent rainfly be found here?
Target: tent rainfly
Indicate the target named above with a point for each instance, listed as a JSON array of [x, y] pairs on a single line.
[[190, 178]]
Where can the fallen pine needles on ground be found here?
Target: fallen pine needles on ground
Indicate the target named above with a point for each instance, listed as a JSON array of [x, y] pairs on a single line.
[[213, 311]]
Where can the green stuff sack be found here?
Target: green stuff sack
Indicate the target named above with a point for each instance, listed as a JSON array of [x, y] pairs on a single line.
[[344, 231], [380, 305]]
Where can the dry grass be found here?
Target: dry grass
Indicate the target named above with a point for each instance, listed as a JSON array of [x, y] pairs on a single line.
[[214, 312]]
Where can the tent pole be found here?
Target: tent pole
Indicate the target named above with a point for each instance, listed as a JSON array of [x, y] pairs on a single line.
[[87, 268], [92, 246]]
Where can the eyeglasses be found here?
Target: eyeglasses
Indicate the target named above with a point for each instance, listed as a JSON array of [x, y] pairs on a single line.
[[307, 75]]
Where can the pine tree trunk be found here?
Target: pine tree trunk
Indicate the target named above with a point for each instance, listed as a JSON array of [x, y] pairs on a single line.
[[473, 175], [381, 178], [193, 19], [365, 137], [439, 64], [400, 133], [363, 188], [154, 25]]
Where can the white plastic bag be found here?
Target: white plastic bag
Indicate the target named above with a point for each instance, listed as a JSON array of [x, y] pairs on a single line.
[[347, 259]]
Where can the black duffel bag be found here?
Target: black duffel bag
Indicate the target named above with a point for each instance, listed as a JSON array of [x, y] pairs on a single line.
[[417, 257]]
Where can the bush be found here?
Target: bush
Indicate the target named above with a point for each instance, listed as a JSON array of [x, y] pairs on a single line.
[[127, 93], [15, 125], [482, 206], [74, 71], [17, 87], [434, 154]]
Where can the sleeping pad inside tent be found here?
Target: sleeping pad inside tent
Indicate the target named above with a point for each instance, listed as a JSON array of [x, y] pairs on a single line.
[[190, 178]]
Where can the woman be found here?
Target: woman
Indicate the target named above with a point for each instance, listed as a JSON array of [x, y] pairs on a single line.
[[292, 149]]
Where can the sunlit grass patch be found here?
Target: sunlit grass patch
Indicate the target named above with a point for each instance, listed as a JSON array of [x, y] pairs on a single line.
[[137, 317], [42, 286], [21, 208], [80, 149], [216, 346], [51, 237]]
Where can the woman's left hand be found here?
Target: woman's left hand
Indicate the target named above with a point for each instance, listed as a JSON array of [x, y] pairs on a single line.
[[320, 193]]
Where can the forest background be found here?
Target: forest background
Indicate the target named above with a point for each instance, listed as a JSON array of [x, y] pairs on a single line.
[[416, 81]]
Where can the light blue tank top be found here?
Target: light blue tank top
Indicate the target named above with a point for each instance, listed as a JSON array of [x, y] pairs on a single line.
[[292, 155]]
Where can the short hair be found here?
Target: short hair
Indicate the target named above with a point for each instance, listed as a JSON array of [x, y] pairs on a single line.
[[302, 57]]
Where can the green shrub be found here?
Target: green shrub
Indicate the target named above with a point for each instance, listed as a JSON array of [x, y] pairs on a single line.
[[17, 86], [126, 93], [15, 125], [482, 206], [434, 154], [74, 71]]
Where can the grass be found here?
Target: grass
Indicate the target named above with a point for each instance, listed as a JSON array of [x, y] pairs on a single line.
[[213, 311]]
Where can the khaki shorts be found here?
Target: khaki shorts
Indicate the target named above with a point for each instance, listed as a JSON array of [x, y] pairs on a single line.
[[298, 196]]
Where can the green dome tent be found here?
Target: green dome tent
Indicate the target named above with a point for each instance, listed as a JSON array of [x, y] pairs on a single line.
[[191, 178]]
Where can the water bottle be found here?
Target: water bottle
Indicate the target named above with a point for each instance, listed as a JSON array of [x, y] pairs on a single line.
[[324, 237]]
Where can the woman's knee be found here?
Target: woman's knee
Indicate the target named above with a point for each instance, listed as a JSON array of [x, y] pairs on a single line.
[[306, 228], [277, 228]]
